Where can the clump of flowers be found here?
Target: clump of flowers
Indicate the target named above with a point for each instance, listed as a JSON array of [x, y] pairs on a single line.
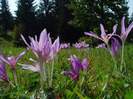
[[65, 45], [113, 41], [12, 62], [45, 51], [101, 46], [81, 45], [76, 66]]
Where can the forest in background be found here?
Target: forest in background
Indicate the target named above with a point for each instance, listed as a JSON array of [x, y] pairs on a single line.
[[68, 19]]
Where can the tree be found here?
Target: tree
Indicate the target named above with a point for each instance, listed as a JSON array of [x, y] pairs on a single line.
[[26, 19], [6, 19], [88, 14], [67, 32], [46, 15]]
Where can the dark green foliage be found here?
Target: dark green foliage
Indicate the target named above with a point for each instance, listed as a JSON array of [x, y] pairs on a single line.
[[68, 19], [25, 20], [6, 19], [89, 14]]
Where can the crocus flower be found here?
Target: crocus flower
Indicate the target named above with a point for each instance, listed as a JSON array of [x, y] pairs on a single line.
[[125, 31], [104, 37], [3, 74], [12, 60], [81, 45], [76, 66], [115, 45], [43, 48]]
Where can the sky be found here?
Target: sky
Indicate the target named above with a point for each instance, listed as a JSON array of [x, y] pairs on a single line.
[[13, 6]]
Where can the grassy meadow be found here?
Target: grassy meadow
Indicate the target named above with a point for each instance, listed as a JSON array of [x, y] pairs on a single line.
[[90, 84]]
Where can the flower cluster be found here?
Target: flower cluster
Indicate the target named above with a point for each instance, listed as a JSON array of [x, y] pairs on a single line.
[[65, 45], [11, 61], [76, 66], [113, 41], [81, 45], [43, 49]]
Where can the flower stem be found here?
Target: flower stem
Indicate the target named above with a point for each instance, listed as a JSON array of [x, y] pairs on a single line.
[[122, 58], [115, 63], [11, 84], [15, 77], [42, 76], [51, 75]]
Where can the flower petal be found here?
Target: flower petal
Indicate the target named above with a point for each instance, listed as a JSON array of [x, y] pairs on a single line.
[[85, 64], [43, 38], [25, 40], [33, 68], [103, 34], [114, 28], [20, 55], [3, 74], [91, 34], [56, 45], [115, 45], [71, 74], [76, 65], [129, 29], [4, 59], [123, 29]]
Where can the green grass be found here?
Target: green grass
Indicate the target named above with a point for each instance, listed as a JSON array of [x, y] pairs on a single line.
[[100, 65]]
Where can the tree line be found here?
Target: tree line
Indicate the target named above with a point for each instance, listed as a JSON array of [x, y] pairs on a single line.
[[67, 19]]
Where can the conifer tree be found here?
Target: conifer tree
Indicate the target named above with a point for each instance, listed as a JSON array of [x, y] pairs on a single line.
[[6, 19]]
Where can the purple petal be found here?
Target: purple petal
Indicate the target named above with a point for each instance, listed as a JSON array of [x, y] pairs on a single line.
[[34, 44], [76, 65], [71, 74], [91, 34], [114, 29], [12, 61], [116, 44], [103, 34], [3, 74], [20, 55], [34, 68], [56, 45], [123, 29], [85, 64], [43, 38], [4, 59], [129, 29], [25, 41]]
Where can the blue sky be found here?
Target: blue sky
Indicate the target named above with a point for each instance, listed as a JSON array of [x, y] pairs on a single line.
[[13, 7]]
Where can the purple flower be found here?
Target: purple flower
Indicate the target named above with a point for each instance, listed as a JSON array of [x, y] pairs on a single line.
[[81, 45], [115, 45], [101, 46], [12, 60], [76, 66], [3, 74], [104, 37], [43, 48], [125, 31], [64, 45]]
